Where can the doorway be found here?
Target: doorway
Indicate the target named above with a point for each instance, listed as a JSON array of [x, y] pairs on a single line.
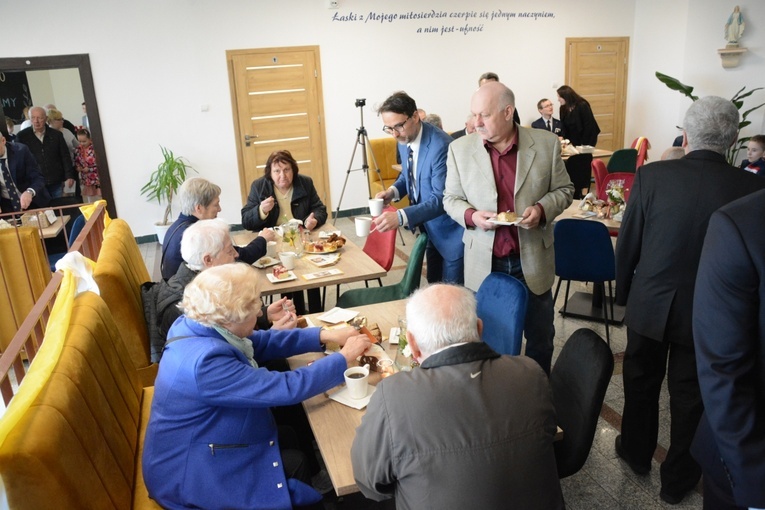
[[597, 69], [278, 104]]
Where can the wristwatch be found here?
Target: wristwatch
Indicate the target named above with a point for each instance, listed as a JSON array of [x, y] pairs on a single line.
[[31, 192]]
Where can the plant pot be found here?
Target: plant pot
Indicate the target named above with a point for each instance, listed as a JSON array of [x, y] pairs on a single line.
[[161, 230]]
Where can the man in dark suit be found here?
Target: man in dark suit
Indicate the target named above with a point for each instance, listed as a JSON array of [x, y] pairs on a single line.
[[49, 149], [27, 186], [656, 261], [469, 128], [547, 121], [729, 335], [422, 148]]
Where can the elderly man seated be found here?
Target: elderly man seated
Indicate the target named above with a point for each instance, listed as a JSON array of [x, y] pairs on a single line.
[[205, 244], [200, 200], [468, 429]]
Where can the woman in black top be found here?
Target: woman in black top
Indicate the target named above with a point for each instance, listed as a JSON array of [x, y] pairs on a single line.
[[581, 128]]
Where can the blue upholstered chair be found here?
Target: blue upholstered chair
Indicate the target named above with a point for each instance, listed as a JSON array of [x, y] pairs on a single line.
[[584, 253], [502, 302]]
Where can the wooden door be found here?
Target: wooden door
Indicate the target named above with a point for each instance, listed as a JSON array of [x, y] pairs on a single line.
[[596, 68], [278, 104]]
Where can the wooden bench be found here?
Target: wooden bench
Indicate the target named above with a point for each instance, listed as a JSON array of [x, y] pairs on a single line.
[[72, 436]]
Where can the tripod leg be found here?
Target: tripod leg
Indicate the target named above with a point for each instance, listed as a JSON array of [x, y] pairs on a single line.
[[347, 173], [374, 160]]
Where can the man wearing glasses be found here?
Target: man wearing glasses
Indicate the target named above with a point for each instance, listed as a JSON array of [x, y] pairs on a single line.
[[422, 148]]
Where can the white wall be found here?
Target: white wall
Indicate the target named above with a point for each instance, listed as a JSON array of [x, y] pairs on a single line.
[[156, 63], [60, 87]]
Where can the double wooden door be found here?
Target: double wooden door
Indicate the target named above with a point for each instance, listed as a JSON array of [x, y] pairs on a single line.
[[278, 104], [596, 68]]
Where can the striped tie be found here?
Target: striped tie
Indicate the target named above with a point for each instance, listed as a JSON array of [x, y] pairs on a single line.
[[410, 170]]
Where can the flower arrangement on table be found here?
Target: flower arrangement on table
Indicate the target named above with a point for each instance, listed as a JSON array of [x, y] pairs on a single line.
[[615, 194]]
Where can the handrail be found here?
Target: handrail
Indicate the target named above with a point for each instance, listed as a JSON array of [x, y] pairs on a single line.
[[31, 331]]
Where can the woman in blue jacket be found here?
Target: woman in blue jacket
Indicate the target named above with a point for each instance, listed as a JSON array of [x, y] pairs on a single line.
[[212, 441]]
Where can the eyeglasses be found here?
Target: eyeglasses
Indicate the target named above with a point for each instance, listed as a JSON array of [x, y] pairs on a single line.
[[398, 128]]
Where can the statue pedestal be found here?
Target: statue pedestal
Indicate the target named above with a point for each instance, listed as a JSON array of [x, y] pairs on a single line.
[[731, 55]]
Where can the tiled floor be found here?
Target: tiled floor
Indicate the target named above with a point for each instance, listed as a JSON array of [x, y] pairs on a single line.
[[605, 482]]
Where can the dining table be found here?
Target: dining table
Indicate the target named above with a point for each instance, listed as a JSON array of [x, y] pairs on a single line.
[[589, 305], [334, 424], [596, 154], [353, 265]]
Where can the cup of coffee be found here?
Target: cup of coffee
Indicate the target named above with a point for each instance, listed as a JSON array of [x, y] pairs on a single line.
[[287, 259], [375, 206], [357, 381], [271, 249], [363, 225]]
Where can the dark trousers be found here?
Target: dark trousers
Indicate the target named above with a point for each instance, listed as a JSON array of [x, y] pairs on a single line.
[[645, 363], [579, 169], [441, 270]]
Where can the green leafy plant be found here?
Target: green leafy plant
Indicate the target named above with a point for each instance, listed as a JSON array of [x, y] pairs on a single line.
[[738, 99], [165, 181]]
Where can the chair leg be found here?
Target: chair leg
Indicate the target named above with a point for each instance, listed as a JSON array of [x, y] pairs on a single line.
[[557, 289], [605, 313], [401, 236], [611, 293], [337, 294], [565, 303]]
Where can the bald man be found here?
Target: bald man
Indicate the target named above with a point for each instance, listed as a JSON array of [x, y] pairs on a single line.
[[509, 168]]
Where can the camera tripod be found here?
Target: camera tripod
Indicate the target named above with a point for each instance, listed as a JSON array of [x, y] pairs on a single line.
[[362, 139]]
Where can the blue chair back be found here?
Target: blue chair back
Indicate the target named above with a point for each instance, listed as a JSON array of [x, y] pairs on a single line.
[[79, 222], [502, 302], [583, 251]]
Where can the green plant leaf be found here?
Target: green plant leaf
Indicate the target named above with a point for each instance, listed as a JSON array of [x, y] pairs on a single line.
[[166, 179], [675, 84]]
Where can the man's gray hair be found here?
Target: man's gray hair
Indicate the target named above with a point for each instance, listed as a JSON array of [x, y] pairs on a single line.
[[205, 237], [442, 315], [711, 123], [197, 191]]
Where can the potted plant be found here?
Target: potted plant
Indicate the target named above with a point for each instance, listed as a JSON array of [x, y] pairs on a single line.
[[163, 185], [738, 100]]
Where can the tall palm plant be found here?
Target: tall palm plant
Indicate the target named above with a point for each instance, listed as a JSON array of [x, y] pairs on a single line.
[[738, 100], [165, 181]]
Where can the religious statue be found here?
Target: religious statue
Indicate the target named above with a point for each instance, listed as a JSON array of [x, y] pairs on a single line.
[[734, 28]]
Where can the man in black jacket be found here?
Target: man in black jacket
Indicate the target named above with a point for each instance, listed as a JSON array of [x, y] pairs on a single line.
[[27, 186], [657, 257], [49, 149]]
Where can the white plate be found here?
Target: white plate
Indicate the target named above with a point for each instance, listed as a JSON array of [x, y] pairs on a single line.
[[323, 260], [342, 397], [338, 315], [273, 279], [264, 262], [506, 223]]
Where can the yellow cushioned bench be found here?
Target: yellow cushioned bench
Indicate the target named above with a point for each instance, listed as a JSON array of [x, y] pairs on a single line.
[[119, 273], [72, 436]]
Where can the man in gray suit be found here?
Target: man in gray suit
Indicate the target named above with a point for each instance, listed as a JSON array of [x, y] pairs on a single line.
[[509, 168]]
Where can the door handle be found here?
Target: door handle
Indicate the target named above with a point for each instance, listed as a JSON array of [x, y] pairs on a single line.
[[248, 139]]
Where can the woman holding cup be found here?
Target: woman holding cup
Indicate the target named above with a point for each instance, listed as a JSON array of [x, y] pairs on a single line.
[[212, 440]]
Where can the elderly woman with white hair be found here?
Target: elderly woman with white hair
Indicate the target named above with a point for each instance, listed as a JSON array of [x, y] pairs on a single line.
[[212, 441], [200, 200], [205, 244]]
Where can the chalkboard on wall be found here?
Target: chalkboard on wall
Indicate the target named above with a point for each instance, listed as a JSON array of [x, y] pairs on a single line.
[[14, 94]]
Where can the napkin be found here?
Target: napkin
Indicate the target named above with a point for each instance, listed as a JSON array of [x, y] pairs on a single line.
[[342, 397]]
